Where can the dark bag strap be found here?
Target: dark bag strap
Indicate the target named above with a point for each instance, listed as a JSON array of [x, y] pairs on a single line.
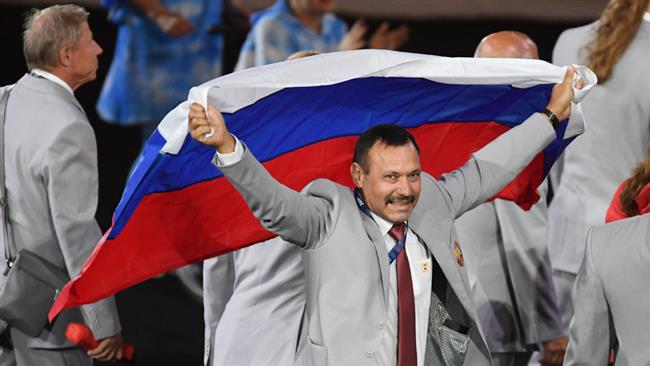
[[9, 248]]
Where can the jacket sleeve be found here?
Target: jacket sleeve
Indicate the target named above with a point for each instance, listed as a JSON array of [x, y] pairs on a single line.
[[70, 177], [589, 332], [496, 164], [301, 219]]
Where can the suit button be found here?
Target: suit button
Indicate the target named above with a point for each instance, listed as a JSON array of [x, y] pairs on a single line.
[[370, 353], [381, 325]]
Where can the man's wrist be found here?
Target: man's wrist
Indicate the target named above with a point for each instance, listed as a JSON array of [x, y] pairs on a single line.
[[551, 117], [228, 146], [226, 159]]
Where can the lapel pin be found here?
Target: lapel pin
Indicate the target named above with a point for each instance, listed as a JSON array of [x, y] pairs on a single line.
[[458, 254], [425, 266]]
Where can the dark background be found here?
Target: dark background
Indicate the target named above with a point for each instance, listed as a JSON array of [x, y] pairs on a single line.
[[159, 316]]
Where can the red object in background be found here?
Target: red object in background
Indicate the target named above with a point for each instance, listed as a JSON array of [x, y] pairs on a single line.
[[83, 337], [615, 211]]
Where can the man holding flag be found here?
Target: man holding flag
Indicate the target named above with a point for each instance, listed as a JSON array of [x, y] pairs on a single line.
[[384, 270], [51, 177]]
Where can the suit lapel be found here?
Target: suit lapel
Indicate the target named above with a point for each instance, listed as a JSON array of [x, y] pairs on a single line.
[[380, 248]]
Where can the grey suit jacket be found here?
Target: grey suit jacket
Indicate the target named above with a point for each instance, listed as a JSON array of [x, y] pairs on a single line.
[[51, 179], [611, 297], [253, 303], [345, 257], [618, 111], [506, 253]]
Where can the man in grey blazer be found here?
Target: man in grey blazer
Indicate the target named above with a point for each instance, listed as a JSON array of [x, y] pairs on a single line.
[[51, 176], [354, 314], [507, 258], [611, 297]]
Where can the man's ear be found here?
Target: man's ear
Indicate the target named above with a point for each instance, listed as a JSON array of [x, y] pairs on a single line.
[[65, 56], [356, 171]]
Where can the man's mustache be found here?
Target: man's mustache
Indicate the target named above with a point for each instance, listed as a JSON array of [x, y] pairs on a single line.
[[399, 199]]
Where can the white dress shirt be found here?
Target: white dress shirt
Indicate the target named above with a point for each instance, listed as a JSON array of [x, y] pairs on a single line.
[[52, 77], [421, 270], [421, 276]]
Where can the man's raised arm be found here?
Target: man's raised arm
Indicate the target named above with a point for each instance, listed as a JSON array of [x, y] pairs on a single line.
[[300, 219], [499, 162]]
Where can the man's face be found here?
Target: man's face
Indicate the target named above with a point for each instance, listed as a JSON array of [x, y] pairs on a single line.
[[317, 7], [391, 186], [83, 57]]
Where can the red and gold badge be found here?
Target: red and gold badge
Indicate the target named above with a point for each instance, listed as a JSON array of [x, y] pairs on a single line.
[[458, 254]]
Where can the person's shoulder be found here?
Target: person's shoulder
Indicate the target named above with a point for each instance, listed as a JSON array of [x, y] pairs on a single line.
[[570, 45], [338, 196], [323, 185], [578, 34], [429, 180], [273, 26], [55, 104], [333, 19], [334, 26], [616, 235], [271, 19], [65, 113], [625, 226], [432, 190]]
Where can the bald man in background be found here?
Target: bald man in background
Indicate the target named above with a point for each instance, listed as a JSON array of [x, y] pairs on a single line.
[[508, 262], [507, 44]]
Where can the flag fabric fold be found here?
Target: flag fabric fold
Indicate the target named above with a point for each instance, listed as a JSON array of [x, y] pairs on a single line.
[[301, 119]]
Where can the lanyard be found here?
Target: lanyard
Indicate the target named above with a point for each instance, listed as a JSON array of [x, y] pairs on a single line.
[[392, 255]]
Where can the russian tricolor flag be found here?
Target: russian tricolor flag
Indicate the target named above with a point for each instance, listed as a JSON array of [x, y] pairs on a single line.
[[301, 119]]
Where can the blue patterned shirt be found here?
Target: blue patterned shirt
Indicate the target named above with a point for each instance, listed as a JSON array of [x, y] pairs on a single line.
[[277, 33], [153, 72]]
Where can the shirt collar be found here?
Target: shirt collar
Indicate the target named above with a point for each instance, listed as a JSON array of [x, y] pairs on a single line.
[[646, 16], [384, 225], [53, 78]]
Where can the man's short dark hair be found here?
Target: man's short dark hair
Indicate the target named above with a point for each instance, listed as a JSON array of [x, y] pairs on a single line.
[[390, 135]]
